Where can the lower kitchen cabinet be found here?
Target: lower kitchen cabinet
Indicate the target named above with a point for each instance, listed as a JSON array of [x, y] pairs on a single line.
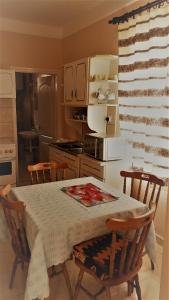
[[91, 167], [72, 161], [109, 171], [83, 166]]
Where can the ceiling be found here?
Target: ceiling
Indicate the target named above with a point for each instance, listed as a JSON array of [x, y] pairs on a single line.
[[57, 18]]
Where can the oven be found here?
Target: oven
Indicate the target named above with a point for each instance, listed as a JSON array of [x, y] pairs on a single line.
[[7, 164]]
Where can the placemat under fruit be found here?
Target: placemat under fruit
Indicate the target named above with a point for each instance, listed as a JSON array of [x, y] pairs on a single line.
[[88, 194]]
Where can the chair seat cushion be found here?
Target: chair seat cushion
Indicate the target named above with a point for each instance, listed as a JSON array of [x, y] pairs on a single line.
[[95, 255]]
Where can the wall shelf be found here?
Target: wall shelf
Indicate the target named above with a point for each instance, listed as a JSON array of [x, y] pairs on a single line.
[[74, 105], [105, 104], [108, 80], [76, 114]]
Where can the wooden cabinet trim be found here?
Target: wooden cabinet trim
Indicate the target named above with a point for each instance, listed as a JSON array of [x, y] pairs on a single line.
[[86, 174], [71, 160], [97, 169], [7, 83]]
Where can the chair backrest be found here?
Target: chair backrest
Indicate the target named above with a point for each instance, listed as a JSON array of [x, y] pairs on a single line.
[[148, 193], [128, 241], [14, 214], [46, 172]]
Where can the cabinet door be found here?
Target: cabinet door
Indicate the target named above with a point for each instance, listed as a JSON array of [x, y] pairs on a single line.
[[73, 166], [73, 162], [87, 173], [70, 173], [7, 84], [91, 167], [68, 83], [56, 155], [81, 82]]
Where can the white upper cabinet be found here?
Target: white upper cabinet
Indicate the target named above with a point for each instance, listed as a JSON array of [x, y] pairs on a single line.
[[103, 80], [7, 84], [92, 80], [91, 93]]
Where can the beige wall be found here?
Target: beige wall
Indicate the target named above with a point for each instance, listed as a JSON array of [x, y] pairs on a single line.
[[160, 222], [99, 38], [164, 287], [26, 51]]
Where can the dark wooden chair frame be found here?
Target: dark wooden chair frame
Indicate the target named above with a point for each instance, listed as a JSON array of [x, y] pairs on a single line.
[[46, 172], [151, 180], [130, 261], [150, 199], [14, 214]]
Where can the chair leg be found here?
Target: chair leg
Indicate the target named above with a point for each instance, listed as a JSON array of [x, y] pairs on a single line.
[[67, 279], [79, 280], [108, 293], [130, 288], [137, 285], [22, 265], [14, 267], [152, 265]]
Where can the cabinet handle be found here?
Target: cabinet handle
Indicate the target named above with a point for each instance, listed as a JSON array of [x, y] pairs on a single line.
[[72, 94], [75, 93]]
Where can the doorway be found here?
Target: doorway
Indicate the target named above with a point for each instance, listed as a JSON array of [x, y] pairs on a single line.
[[35, 110]]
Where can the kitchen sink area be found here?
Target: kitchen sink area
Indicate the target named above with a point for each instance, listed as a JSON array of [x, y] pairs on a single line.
[[73, 147]]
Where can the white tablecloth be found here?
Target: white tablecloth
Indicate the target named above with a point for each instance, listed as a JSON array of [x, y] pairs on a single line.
[[56, 222]]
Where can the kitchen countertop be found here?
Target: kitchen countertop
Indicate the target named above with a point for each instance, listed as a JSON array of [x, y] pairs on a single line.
[[84, 155], [72, 151]]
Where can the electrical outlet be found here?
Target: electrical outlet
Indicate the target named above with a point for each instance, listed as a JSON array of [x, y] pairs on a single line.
[[107, 119]]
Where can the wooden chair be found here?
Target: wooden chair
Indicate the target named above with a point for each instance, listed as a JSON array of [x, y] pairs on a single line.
[[115, 257], [149, 196], [143, 187], [14, 214], [46, 172]]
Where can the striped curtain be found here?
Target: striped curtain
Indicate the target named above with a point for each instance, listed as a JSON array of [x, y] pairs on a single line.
[[144, 88]]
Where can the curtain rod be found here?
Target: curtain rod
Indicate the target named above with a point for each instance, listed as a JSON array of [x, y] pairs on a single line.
[[126, 16]]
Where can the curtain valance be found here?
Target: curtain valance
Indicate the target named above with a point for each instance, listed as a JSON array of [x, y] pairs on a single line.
[[133, 13]]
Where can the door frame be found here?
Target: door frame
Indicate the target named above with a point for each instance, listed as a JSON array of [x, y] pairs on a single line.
[[37, 71]]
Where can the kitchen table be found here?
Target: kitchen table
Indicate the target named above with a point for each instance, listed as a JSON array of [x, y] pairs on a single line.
[[55, 222]]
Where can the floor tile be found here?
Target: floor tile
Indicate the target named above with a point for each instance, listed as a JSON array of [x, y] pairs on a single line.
[[149, 280]]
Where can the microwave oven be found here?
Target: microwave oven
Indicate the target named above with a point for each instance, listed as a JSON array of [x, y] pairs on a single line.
[[104, 148]]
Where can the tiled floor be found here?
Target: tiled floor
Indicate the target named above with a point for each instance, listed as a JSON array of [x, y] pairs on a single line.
[[149, 280]]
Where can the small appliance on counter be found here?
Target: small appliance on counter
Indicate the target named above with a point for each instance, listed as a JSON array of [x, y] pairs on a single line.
[[73, 147], [103, 147]]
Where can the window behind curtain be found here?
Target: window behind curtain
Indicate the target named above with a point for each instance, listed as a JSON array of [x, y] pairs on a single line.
[[144, 88]]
